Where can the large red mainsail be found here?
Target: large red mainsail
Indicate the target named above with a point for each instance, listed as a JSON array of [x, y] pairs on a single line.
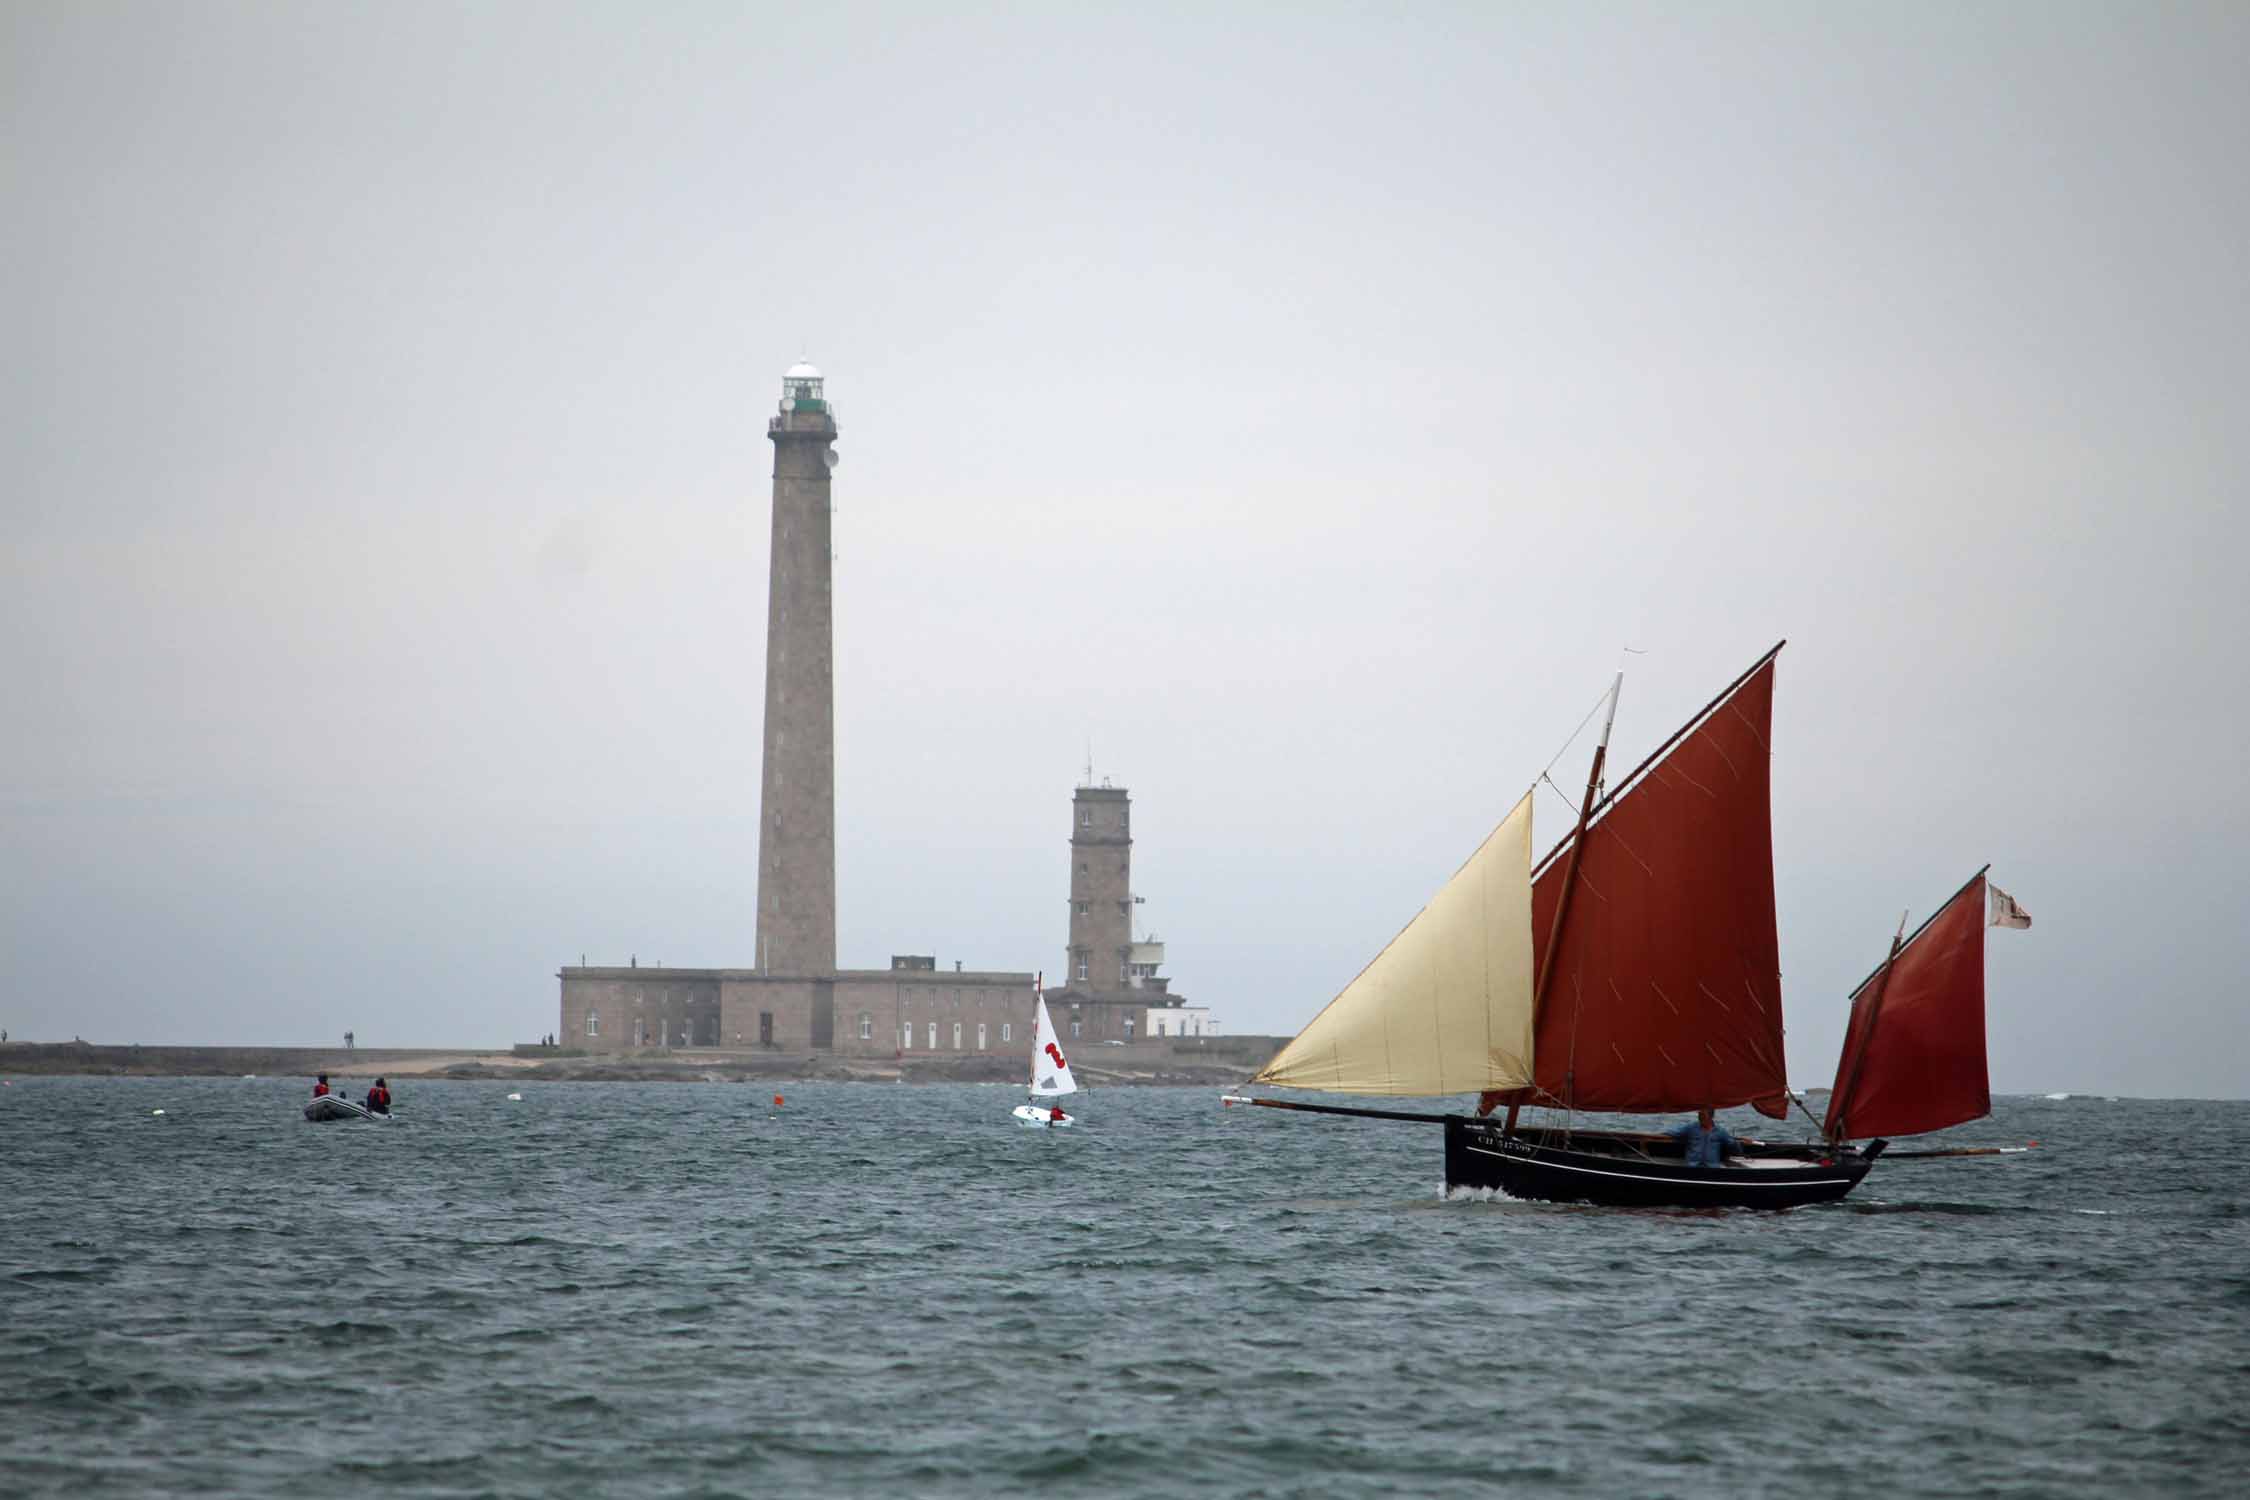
[[1913, 1057], [1666, 986]]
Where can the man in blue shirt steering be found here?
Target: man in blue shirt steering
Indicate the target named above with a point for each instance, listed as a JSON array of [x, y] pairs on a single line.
[[1705, 1144]]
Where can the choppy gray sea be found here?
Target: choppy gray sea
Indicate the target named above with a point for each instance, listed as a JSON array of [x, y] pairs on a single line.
[[627, 1289]]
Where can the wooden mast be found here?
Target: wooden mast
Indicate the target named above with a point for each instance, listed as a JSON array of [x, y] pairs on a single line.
[[1664, 749], [1844, 1085], [1570, 886], [1577, 843]]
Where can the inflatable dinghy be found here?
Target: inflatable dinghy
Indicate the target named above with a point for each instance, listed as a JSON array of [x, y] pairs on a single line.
[[337, 1107]]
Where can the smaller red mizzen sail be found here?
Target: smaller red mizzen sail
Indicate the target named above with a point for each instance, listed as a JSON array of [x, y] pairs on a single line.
[[1913, 1058]]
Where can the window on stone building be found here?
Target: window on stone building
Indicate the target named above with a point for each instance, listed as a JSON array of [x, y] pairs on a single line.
[[1082, 968], [1128, 1028], [1082, 908], [1074, 1031], [933, 1036], [1085, 817], [593, 1023], [866, 1027], [980, 1036], [906, 1037], [956, 1036], [1007, 1031], [1082, 867]]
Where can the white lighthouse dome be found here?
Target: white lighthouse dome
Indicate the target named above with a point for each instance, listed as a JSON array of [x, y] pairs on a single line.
[[803, 370]]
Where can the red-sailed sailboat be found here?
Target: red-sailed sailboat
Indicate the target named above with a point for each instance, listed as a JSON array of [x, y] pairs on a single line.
[[1634, 970]]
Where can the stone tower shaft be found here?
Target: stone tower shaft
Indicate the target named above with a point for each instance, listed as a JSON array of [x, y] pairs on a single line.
[[1101, 888], [797, 801]]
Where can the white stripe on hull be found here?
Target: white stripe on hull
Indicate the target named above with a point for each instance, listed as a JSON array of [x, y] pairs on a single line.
[[1727, 1182]]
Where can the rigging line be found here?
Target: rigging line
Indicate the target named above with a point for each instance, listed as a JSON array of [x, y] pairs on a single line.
[[1558, 791], [1799, 1100], [1575, 733], [1612, 794]]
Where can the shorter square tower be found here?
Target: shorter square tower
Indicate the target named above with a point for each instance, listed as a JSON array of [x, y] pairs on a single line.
[[1101, 889], [1110, 990]]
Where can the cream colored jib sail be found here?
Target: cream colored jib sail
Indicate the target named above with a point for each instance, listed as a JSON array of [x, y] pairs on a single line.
[[1446, 1008]]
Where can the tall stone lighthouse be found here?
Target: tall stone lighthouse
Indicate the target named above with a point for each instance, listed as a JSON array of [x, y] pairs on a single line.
[[797, 804], [791, 998]]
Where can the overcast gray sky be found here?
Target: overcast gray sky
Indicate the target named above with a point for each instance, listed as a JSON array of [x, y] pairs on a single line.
[[1302, 404]]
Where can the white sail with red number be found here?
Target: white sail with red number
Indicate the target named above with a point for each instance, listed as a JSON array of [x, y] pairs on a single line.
[[1050, 1070]]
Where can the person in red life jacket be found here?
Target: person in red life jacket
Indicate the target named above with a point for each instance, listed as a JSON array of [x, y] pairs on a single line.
[[379, 1098], [1056, 1113], [321, 1086]]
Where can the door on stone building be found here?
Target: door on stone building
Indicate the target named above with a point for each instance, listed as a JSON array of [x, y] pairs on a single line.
[[824, 1016], [765, 1028]]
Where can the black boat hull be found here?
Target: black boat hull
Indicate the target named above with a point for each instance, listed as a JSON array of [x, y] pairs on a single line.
[[1637, 1171]]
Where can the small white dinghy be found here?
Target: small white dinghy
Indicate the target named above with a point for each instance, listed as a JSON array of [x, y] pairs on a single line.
[[1050, 1072], [336, 1107], [1043, 1117]]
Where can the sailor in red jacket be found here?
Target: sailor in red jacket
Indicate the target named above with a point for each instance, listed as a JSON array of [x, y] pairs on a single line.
[[320, 1087], [379, 1098]]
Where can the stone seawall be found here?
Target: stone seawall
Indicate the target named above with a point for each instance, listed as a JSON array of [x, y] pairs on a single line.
[[1216, 1062], [232, 1062]]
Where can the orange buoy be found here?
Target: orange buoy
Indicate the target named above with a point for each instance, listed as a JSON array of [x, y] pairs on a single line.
[[777, 1101]]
